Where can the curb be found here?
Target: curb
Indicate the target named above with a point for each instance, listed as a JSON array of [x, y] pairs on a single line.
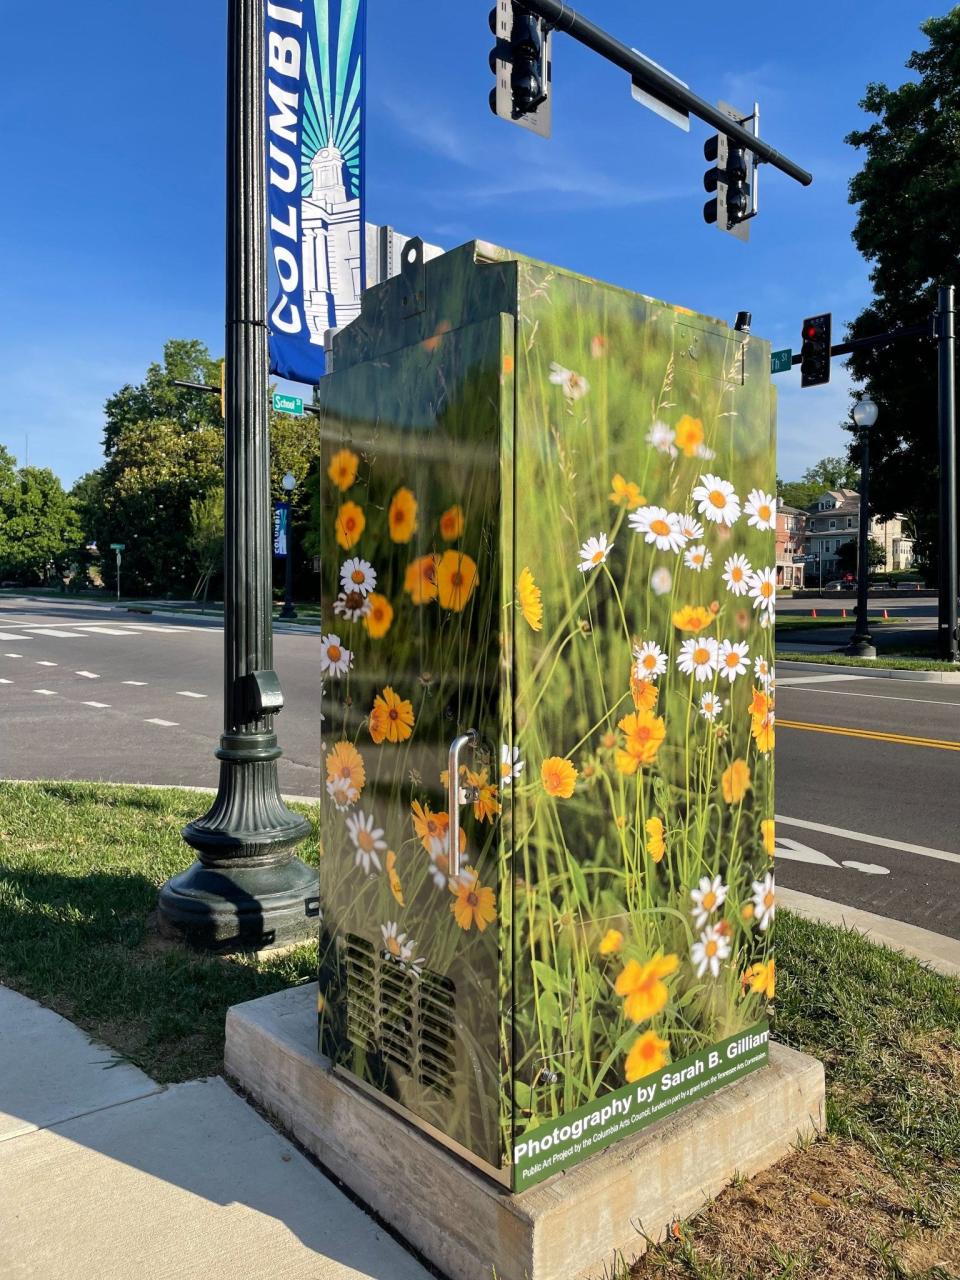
[[935, 950], [878, 673]]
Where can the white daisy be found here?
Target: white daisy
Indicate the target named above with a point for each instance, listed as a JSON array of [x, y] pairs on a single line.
[[574, 385], [698, 657], [716, 499], [367, 840], [709, 951], [710, 706], [661, 580], [651, 660], [766, 620], [342, 793], [761, 509], [764, 900], [659, 526], [511, 766], [438, 870], [706, 899], [731, 659], [358, 575], [352, 606], [763, 671], [763, 589], [399, 947], [691, 528], [698, 558], [335, 659], [703, 451], [661, 437], [594, 552], [736, 574]]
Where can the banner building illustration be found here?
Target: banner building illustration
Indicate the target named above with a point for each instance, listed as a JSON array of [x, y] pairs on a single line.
[[315, 152]]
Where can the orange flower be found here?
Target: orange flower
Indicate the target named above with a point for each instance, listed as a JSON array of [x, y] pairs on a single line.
[[759, 704], [689, 436], [451, 523], [611, 942], [763, 733], [486, 806], [644, 734], [692, 617], [436, 337], [643, 692], [531, 602], [402, 516], [768, 833], [559, 777], [379, 616], [735, 782], [350, 524], [343, 469], [473, 902], [624, 493], [507, 366], [656, 846], [642, 987], [345, 770], [430, 827], [391, 718], [456, 579], [761, 979], [649, 1053], [395, 886], [598, 346], [420, 579]]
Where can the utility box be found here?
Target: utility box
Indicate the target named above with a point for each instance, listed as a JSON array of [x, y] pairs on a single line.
[[545, 515]]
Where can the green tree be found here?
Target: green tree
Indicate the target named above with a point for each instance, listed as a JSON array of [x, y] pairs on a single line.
[[41, 535], [206, 538], [908, 228], [847, 555], [828, 473]]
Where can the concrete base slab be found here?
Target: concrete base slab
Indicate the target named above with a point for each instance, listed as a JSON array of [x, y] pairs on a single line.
[[187, 1184], [579, 1225], [50, 1070]]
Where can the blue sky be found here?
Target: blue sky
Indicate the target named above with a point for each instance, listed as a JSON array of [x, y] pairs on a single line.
[[114, 148]]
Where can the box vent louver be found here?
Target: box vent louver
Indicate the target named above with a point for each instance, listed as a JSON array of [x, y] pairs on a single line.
[[409, 1018]]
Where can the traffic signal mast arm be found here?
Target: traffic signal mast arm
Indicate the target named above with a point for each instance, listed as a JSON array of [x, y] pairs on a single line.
[[560, 17], [925, 329]]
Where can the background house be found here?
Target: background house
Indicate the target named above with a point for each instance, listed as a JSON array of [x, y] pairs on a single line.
[[834, 519], [791, 545]]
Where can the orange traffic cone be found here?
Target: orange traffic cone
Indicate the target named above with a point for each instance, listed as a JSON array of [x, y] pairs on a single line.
[[885, 614], [843, 613], [813, 613]]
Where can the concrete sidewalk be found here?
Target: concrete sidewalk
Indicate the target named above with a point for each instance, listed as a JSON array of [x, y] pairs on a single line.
[[105, 1175]]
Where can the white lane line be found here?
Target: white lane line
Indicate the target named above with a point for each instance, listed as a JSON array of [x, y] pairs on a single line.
[[8, 635], [47, 693], [106, 631], [139, 683], [96, 704], [89, 675], [6, 682], [42, 662], [15, 655], [885, 697], [53, 631], [185, 693], [167, 724], [816, 679], [881, 842]]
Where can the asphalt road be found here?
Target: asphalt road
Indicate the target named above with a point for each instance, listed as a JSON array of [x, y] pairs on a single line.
[[867, 770]]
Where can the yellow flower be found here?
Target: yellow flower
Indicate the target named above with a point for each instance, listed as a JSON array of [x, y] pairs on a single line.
[[644, 734], [379, 617], [611, 942], [531, 604], [649, 1053], [456, 579], [420, 579], [692, 617], [402, 516], [624, 493], [761, 979], [735, 782], [763, 732], [643, 692], [350, 524], [747, 911], [558, 777], [486, 806], [689, 435], [343, 469], [642, 987], [345, 769], [759, 704], [391, 717], [768, 833], [395, 886], [473, 902], [430, 827], [656, 847], [451, 523]]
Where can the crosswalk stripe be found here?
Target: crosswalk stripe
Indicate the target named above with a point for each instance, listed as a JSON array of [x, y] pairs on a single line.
[[53, 632], [140, 684], [97, 704], [89, 675], [6, 682], [42, 662], [185, 693], [8, 635], [167, 724], [47, 693]]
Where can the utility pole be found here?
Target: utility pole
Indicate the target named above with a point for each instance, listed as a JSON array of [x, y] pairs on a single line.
[[946, 354], [246, 891]]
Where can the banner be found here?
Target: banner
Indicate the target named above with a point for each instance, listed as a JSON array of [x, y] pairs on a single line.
[[315, 52], [281, 515]]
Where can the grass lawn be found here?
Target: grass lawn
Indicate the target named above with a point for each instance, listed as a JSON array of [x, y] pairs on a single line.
[[895, 661], [801, 622], [879, 1199]]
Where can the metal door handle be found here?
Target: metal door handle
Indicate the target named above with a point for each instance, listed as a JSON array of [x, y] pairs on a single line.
[[468, 739]]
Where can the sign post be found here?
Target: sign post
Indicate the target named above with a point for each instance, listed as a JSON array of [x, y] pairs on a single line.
[[118, 547]]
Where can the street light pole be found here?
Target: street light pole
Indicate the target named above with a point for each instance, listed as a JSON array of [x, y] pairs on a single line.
[[946, 343], [288, 611], [862, 646], [246, 891]]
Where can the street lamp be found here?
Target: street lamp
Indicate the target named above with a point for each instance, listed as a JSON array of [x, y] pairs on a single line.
[[289, 483], [865, 414]]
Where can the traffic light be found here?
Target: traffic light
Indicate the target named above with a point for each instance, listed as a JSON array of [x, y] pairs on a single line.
[[733, 177], [521, 64], [815, 351]]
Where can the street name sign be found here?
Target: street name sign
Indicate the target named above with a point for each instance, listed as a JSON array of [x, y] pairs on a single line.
[[781, 361], [117, 546], [287, 404]]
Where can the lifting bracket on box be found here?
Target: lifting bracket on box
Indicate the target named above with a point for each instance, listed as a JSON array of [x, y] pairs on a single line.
[[413, 277]]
